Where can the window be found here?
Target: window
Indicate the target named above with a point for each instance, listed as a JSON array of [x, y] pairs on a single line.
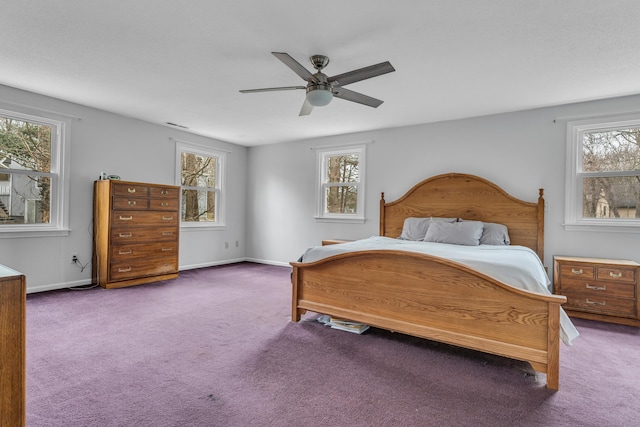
[[603, 174], [200, 173], [32, 183], [341, 184]]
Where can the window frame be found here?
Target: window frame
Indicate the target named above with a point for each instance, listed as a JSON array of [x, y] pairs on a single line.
[[321, 183], [219, 189], [59, 174], [573, 220]]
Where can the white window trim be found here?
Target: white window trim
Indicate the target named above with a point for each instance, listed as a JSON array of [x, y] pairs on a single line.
[[322, 154], [190, 147], [573, 220], [60, 156]]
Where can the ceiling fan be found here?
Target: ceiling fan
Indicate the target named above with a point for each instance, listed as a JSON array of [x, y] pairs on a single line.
[[321, 89]]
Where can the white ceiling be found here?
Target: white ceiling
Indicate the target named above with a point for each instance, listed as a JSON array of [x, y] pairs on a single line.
[[184, 62]]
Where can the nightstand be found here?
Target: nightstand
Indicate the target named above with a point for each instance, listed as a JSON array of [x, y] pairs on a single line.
[[598, 289], [334, 241]]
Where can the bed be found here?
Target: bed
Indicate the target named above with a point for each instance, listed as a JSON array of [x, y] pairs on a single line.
[[434, 297]]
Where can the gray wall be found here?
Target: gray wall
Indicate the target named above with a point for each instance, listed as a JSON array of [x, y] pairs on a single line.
[[521, 152], [137, 151]]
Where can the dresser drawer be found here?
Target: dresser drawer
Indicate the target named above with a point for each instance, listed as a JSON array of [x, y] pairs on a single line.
[[130, 190], [127, 235], [135, 252], [164, 193], [616, 274], [146, 218], [131, 203], [163, 204], [130, 270], [602, 305], [594, 288]]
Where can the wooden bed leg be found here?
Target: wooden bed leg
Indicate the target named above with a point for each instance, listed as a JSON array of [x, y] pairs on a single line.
[[553, 350], [295, 313]]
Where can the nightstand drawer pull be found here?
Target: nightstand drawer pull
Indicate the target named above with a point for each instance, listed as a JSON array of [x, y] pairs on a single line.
[[615, 275], [126, 218], [167, 233], [164, 204], [167, 249], [588, 301], [164, 192], [132, 202], [131, 190], [596, 288], [124, 252], [167, 218], [125, 235], [124, 270], [577, 271]]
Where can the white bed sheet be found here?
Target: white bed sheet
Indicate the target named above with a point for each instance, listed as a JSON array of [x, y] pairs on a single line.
[[517, 266]]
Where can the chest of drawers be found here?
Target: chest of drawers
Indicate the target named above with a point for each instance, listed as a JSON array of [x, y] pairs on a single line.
[[136, 232], [599, 289]]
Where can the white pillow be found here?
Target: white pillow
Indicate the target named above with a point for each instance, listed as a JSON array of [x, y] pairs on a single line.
[[416, 228], [458, 233]]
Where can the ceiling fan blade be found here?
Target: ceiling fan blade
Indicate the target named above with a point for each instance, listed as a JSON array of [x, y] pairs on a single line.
[[271, 89], [349, 95], [306, 109], [295, 66], [361, 74]]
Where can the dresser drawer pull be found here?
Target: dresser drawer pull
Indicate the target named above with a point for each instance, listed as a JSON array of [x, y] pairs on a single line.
[[596, 288], [167, 218], [126, 218], [588, 301], [126, 235], [132, 202], [131, 190], [164, 192], [615, 275], [124, 270], [164, 204], [167, 249], [167, 233], [124, 252], [577, 271]]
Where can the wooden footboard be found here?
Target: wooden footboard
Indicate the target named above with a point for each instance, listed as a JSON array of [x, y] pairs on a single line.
[[433, 298]]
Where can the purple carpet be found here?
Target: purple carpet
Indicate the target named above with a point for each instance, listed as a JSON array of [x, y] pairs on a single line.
[[215, 347]]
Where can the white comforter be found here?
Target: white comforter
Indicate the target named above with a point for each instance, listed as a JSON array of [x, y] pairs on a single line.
[[517, 266]]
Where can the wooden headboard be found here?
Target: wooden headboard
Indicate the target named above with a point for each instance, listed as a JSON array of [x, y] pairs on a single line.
[[457, 195]]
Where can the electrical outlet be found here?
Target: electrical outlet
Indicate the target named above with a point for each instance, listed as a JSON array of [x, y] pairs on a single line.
[[74, 258], [226, 245], [237, 244]]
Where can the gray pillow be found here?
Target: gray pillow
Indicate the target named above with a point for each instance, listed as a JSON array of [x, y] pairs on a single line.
[[458, 233], [416, 228], [493, 234]]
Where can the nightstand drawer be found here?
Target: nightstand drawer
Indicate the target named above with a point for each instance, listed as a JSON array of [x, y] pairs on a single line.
[[577, 270], [594, 288], [616, 274]]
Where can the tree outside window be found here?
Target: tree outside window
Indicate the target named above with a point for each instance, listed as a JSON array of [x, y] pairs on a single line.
[[200, 175], [25, 171], [603, 174], [341, 184]]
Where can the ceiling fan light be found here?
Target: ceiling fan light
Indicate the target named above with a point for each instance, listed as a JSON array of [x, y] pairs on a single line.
[[319, 97]]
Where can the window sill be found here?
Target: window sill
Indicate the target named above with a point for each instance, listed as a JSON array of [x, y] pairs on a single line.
[[604, 228], [201, 227], [346, 220], [23, 232]]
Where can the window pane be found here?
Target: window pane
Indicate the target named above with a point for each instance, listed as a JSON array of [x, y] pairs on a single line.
[[25, 199], [198, 205], [342, 199], [343, 168], [611, 197], [617, 150], [25, 145], [198, 170]]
